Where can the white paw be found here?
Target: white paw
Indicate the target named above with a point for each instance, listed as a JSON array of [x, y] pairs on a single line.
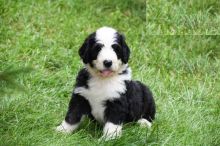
[[111, 131], [65, 127], [144, 123]]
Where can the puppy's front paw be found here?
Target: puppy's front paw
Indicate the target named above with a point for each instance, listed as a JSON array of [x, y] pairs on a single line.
[[65, 127], [61, 129], [111, 131]]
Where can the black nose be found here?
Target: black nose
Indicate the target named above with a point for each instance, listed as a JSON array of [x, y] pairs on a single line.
[[107, 63]]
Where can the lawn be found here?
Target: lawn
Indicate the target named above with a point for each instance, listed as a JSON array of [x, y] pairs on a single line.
[[183, 17], [182, 71]]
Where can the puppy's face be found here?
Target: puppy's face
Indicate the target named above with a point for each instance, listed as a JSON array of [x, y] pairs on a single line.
[[105, 52]]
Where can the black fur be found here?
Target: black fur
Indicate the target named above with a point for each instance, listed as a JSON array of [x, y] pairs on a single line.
[[122, 50], [89, 46], [82, 78], [137, 102], [78, 107]]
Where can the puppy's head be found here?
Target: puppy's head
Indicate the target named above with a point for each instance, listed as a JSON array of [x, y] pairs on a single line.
[[105, 52]]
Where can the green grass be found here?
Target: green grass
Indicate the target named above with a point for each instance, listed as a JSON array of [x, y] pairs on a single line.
[[182, 71], [183, 17]]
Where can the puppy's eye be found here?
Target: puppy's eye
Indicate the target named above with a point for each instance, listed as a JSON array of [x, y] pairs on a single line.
[[116, 48], [95, 50], [98, 47]]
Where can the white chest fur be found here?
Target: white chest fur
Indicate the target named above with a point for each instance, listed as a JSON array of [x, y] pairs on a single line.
[[101, 90]]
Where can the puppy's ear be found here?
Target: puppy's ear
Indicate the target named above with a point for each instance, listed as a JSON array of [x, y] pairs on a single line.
[[84, 49], [125, 49]]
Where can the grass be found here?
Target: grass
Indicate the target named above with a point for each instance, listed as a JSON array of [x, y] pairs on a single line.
[[182, 71], [183, 17]]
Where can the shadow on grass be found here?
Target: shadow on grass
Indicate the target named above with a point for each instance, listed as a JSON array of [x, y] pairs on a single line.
[[8, 79]]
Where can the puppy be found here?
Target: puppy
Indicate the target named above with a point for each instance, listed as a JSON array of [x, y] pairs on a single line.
[[104, 90]]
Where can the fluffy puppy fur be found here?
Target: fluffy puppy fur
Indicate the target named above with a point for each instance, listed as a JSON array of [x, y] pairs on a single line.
[[104, 90]]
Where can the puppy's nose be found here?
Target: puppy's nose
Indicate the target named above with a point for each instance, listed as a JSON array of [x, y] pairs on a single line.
[[107, 63]]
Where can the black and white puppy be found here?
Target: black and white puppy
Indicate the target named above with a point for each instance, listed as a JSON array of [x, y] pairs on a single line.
[[104, 90]]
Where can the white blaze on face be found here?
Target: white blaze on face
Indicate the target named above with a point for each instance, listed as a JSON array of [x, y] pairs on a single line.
[[107, 37]]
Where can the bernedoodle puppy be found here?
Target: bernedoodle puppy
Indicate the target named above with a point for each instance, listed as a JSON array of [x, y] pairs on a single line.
[[104, 90]]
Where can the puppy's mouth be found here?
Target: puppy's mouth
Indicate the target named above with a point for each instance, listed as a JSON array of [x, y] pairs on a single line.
[[106, 73]]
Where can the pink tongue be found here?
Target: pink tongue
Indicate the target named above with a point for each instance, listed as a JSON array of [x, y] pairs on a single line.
[[106, 73]]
